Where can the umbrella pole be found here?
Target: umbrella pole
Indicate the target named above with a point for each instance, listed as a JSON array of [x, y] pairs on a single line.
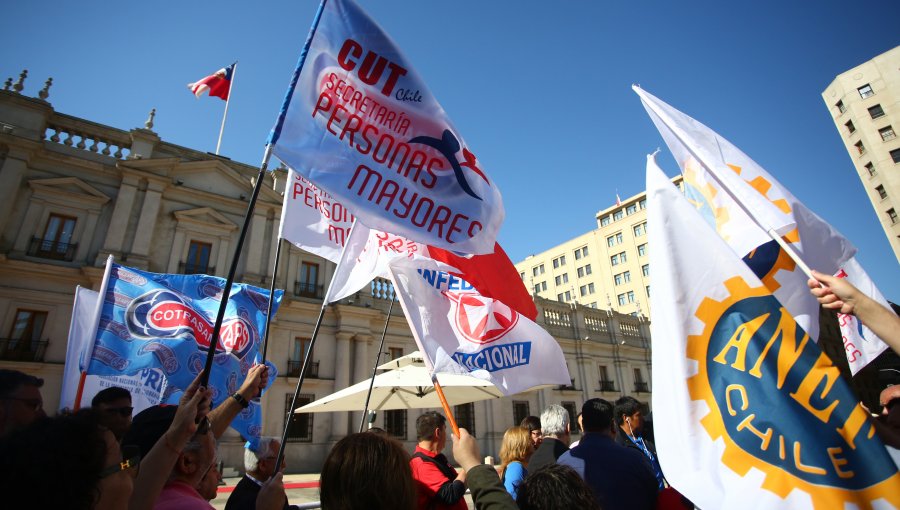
[[446, 406], [362, 421]]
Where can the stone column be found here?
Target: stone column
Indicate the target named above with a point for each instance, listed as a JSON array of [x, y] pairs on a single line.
[[253, 264], [10, 180], [118, 223], [147, 221], [362, 368], [339, 421]]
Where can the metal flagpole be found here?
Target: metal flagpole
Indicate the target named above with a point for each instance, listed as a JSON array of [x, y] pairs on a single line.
[[227, 101], [362, 422], [271, 295]]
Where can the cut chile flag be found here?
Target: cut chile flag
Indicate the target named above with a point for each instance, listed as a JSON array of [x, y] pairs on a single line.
[[218, 84]]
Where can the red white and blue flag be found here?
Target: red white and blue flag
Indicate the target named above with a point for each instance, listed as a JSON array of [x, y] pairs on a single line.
[[362, 124], [218, 84]]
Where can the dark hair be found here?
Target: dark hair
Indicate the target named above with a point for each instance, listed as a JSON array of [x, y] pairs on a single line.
[[367, 471], [555, 486], [627, 406], [54, 462], [426, 423], [11, 380], [531, 423], [596, 415], [111, 394]]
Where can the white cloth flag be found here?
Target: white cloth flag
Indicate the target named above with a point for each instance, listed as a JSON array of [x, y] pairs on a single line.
[[147, 386], [755, 415], [313, 220], [460, 331], [742, 201], [362, 124]]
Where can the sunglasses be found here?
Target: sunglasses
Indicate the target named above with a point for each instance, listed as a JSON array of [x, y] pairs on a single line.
[[122, 411], [35, 404], [131, 461]]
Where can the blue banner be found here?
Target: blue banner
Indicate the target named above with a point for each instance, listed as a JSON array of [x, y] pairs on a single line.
[[165, 321]]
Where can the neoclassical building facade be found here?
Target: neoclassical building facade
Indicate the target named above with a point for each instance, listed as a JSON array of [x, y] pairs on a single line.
[[73, 192]]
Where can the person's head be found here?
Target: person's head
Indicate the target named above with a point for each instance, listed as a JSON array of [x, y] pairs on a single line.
[[889, 398], [209, 484], [114, 407], [367, 471], [533, 424], [597, 417], [68, 461], [516, 446], [630, 415], [198, 454], [259, 459], [431, 431], [555, 422], [555, 486], [20, 400]]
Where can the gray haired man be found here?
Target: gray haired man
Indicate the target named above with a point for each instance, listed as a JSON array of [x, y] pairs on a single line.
[[259, 463], [557, 434]]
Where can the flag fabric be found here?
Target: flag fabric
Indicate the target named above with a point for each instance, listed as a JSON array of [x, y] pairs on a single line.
[[756, 416], [461, 331], [165, 321], [369, 252], [218, 84], [742, 201], [146, 387], [362, 124], [618, 200], [312, 219]]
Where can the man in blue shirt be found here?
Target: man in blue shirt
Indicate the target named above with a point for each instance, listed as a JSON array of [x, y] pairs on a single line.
[[620, 477]]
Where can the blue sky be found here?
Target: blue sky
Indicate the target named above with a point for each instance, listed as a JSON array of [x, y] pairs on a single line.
[[540, 90]]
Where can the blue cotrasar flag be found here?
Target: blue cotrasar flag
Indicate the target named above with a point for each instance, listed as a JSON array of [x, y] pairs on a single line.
[[165, 321]]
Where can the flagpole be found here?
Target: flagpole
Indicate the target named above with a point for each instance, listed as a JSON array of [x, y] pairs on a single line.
[[271, 298], [444, 404], [362, 422], [89, 351], [227, 102], [235, 258]]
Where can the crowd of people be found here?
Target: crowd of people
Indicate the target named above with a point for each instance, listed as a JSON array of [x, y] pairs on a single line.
[[164, 457]]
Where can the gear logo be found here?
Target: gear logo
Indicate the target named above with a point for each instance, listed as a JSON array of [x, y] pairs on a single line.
[[780, 406], [480, 319]]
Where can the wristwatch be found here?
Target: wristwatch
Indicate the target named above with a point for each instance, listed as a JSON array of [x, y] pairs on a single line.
[[241, 400]]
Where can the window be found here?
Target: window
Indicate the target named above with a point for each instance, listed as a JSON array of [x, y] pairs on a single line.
[[604, 221], [871, 169], [850, 127], [887, 133], [583, 290], [648, 291], [568, 295], [626, 276], [593, 305], [640, 229], [614, 260], [645, 269], [581, 252], [395, 423], [642, 250], [865, 91], [558, 261], [590, 288], [543, 285], [586, 289], [558, 280], [631, 209], [522, 276], [301, 345], [622, 257], [643, 203], [618, 279], [541, 267], [895, 155], [860, 148], [309, 279], [630, 295], [584, 271], [640, 386], [465, 417], [587, 269], [24, 342], [537, 288], [395, 352], [618, 215], [881, 192], [565, 277], [520, 410], [621, 298], [559, 297], [57, 240], [573, 415], [534, 271], [300, 428], [892, 214], [876, 111], [610, 241], [840, 106], [555, 263], [198, 258]]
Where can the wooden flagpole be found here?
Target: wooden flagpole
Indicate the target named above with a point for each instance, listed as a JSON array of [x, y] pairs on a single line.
[[445, 405]]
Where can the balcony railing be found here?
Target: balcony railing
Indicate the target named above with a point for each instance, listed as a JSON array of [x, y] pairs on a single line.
[[188, 268], [50, 249], [641, 387], [310, 290], [294, 367], [568, 387], [16, 349], [607, 385]]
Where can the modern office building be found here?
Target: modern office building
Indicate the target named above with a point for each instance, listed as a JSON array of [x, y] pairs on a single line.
[[73, 191], [865, 105]]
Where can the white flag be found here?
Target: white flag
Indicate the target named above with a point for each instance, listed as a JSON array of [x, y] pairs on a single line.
[[460, 331], [313, 220], [742, 201], [754, 415]]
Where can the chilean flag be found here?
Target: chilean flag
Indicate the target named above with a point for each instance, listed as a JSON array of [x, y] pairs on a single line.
[[218, 84]]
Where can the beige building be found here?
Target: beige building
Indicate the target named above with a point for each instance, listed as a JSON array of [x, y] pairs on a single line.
[[865, 105], [607, 267], [73, 192]]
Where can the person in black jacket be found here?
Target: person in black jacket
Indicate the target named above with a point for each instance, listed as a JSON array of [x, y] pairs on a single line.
[[556, 431], [259, 462]]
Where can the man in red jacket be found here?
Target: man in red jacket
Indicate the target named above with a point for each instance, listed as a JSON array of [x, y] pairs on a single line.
[[438, 484]]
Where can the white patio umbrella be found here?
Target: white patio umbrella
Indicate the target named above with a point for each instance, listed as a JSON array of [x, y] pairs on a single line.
[[407, 385]]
